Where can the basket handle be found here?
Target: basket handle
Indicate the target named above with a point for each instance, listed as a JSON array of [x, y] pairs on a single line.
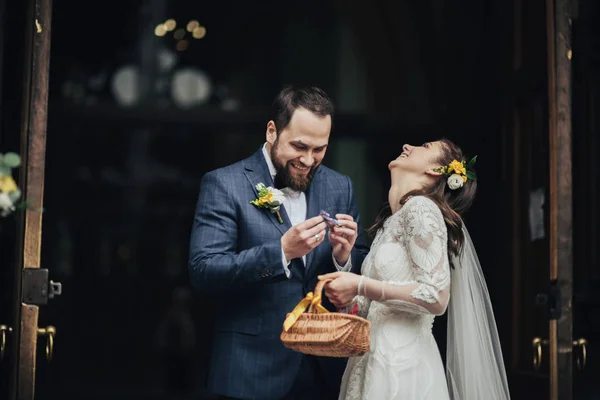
[[318, 294], [312, 301]]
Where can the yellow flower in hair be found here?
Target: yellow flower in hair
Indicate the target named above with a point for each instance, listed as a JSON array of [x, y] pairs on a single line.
[[458, 172], [457, 167]]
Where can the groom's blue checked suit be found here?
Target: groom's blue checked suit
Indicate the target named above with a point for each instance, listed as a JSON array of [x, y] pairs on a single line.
[[236, 255]]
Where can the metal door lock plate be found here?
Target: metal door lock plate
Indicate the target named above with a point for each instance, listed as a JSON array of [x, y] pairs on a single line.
[[37, 289]]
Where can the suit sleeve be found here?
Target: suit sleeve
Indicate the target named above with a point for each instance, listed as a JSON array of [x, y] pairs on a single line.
[[215, 265], [360, 250]]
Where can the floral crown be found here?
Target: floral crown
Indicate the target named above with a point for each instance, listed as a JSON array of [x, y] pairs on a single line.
[[458, 172]]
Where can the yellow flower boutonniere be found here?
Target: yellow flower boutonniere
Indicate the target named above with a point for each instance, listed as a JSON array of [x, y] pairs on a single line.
[[269, 198]]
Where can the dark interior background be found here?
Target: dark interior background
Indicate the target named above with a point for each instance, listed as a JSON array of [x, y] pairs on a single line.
[[122, 181]]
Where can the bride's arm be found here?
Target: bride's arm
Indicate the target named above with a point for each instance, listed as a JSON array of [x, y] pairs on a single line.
[[423, 233], [405, 297]]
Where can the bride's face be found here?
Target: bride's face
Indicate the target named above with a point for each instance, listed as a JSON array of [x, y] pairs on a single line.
[[418, 159]]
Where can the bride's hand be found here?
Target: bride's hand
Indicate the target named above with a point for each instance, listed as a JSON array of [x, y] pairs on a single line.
[[342, 289]]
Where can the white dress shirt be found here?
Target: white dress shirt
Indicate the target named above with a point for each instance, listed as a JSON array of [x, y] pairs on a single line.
[[295, 207]]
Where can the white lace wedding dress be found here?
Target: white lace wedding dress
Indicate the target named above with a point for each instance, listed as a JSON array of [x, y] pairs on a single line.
[[404, 361]]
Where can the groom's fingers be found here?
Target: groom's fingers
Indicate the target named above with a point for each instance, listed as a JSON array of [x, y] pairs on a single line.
[[346, 221], [347, 224], [340, 231], [318, 229], [345, 217], [302, 238], [340, 240], [311, 222]]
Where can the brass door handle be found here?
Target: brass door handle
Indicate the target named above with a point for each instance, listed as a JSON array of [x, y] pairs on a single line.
[[50, 333], [4, 331], [537, 344], [581, 361]]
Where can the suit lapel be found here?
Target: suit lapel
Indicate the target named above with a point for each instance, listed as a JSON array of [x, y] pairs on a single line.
[[313, 204], [257, 171]]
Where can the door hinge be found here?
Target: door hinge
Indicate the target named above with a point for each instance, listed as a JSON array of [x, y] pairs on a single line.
[[551, 300], [37, 288]]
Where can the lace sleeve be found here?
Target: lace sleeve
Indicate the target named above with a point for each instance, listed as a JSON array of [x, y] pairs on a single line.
[[421, 229], [426, 238]]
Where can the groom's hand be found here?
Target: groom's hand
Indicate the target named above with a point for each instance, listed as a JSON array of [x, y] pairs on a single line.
[[300, 239], [342, 237]]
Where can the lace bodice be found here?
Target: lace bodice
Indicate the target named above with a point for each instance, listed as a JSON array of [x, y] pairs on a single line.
[[408, 253], [411, 248]]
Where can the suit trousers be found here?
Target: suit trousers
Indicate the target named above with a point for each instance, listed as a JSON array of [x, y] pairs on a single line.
[[315, 380]]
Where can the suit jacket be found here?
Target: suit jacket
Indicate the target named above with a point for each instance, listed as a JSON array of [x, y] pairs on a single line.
[[236, 257]]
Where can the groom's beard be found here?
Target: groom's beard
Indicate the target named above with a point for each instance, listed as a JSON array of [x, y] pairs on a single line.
[[284, 178]]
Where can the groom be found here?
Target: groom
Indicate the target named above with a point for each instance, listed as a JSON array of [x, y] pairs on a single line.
[[259, 267]]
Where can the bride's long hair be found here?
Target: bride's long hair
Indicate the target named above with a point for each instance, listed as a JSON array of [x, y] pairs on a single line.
[[452, 203]]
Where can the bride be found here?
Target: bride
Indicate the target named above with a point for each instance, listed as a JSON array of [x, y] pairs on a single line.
[[422, 262]]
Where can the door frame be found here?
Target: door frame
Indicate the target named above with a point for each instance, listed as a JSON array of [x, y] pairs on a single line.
[[539, 114], [25, 329], [561, 198]]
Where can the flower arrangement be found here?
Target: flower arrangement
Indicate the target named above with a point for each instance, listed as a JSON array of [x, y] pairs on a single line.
[[9, 191], [269, 198], [458, 172]]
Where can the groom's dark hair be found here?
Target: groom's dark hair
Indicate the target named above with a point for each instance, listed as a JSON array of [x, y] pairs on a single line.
[[292, 97]]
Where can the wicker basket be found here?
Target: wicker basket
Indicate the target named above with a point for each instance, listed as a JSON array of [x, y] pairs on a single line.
[[321, 333]]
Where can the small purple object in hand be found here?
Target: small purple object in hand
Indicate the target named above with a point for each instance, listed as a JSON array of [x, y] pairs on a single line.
[[328, 218]]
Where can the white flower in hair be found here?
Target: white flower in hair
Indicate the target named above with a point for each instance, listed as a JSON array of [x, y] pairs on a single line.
[[455, 181], [458, 172]]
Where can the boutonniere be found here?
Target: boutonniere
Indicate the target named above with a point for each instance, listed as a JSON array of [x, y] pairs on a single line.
[[269, 198]]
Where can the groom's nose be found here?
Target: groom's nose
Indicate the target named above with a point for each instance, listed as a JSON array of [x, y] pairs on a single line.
[[406, 148], [307, 159]]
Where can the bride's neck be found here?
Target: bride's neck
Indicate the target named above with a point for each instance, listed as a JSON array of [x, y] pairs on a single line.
[[399, 188]]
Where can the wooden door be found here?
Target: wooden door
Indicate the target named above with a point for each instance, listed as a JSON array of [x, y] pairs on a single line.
[[25, 68], [554, 194], [586, 197], [532, 198]]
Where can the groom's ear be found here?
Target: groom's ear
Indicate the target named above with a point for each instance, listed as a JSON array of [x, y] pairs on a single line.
[[432, 172], [271, 132]]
